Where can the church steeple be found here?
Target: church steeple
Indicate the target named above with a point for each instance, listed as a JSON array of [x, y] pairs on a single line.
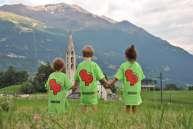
[[70, 58], [70, 41]]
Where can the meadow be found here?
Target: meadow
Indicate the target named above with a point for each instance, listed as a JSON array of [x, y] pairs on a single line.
[[176, 112]]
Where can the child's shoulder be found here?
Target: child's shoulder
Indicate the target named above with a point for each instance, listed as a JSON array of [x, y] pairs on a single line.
[[81, 63], [87, 62], [124, 64], [137, 64], [94, 63], [51, 74], [57, 73]]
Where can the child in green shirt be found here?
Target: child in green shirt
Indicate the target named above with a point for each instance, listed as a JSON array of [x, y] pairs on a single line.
[[130, 74], [58, 86], [87, 74]]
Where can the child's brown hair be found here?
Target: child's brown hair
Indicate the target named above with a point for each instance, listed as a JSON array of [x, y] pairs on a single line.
[[131, 53], [58, 64], [87, 51]]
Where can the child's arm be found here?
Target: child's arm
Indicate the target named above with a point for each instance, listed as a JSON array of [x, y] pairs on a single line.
[[112, 82], [75, 85], [101, 77], [118, 76], [104, 82], [76, 81], [67, 83]]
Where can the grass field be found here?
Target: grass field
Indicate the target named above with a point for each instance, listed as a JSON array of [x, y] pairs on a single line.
[[14, 89], [175, 113]]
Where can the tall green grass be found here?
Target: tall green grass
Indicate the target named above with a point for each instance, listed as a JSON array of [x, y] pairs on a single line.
[[110, 115], [14, 89]]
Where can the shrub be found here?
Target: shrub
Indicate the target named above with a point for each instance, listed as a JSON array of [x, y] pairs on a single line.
[[27, 88], [5, 104], [41, 77], [171, 87], [12, 77], [37, 84], [190, 88]]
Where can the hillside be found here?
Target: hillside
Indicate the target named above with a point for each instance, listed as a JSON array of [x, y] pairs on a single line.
[[21, 21], [14, 89], [27, 49]]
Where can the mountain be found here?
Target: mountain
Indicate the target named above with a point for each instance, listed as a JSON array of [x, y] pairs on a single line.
[[44, 38], [59, 15]]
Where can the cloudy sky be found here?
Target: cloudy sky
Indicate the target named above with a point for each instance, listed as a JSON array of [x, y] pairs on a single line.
[[171, 20]]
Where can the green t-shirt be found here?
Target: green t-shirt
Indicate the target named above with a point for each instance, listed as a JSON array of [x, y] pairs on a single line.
[[57, 85], [87, 74], [131, 75]]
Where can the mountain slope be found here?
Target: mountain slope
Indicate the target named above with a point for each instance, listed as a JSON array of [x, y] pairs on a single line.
[[20, 20], [24, 45], [59, 15], [110, 39]]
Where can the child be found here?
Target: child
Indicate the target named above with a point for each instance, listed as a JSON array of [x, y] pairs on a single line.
[[87, 74], [57, 86], [131, 75]]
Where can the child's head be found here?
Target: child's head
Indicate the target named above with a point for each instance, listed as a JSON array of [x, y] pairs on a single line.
[[87, 51], [130, 53], [58, 64]]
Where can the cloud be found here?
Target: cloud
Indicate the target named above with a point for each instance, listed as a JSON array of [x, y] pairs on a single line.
[[169, 19]]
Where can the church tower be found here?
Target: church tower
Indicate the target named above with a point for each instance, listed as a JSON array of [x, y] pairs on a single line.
[[70, 58]]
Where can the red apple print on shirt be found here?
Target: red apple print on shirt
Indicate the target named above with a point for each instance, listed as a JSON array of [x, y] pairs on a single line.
[[86, 77], [131, 77], [54, 86]]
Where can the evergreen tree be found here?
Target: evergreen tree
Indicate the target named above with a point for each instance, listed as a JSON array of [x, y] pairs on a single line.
[[41, 77], [12, 77]]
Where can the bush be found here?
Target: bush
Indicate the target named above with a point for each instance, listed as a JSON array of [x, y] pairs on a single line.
[[41, 77], [190, 88], [37, 84], [12, 77], [5, 104], [171, 87], [27, 88]]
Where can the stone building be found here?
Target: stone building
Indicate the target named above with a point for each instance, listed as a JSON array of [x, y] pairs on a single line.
[[148, 85]]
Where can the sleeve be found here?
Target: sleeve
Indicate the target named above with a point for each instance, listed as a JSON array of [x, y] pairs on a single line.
[[141, 74], [67, 83], [98, 72], [119, 74]]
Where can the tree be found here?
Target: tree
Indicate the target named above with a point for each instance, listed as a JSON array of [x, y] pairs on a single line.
[[41, 77], [37, 84], [9, 77], [27, 88], [21, 76], [190, 88], [171, 87], [1, 79], [12, 77]]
